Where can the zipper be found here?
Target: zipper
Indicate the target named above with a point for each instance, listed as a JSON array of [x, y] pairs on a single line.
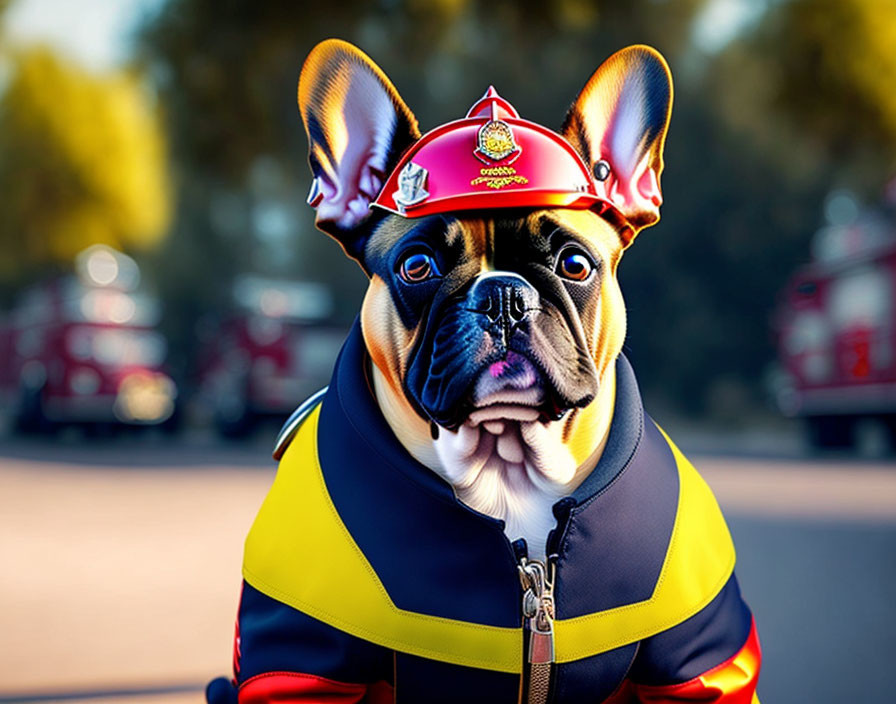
[[537, 580]]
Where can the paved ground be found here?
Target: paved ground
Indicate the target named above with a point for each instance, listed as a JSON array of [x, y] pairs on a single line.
[[121, 568]]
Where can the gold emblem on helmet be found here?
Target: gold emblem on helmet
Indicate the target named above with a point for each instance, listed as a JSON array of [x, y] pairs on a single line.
[[495, 142], [498, 177]]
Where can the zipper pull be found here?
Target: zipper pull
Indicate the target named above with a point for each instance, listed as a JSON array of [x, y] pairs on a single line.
[[538, 609]]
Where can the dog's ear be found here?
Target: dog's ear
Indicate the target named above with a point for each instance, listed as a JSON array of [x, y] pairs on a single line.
[[357, 128], [618, 124]]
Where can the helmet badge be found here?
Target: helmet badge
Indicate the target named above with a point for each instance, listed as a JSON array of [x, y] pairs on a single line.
[[495, 142], [411, 185]]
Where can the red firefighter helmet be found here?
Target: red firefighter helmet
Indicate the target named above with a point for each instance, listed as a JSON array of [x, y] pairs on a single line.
[[490, 159]]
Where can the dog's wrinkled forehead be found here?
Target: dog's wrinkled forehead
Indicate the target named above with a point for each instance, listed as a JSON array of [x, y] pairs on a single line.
[[490, 243], [460, 249], [467, 236]]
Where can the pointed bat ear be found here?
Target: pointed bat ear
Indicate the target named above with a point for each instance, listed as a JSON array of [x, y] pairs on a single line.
[[357, 128], [618, 124]]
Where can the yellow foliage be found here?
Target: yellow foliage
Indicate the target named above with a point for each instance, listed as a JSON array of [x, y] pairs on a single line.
[[871, 59], [83, 160], [853, 43]]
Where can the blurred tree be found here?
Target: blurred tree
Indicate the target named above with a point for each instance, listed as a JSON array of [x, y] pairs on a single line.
[[797, 106], [82, 161], [829, 70]]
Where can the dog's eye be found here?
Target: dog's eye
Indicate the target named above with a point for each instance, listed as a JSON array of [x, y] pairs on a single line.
[[574, 265], [418, 267]]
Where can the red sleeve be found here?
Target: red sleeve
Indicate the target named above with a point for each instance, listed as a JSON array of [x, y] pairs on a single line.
[[731, 682], [297, 688]]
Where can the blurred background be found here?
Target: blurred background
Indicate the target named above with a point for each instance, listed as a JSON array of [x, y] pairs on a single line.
[[165, 302]]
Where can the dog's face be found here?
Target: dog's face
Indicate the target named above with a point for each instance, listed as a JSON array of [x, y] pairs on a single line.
[[521, 308], [484, 317]]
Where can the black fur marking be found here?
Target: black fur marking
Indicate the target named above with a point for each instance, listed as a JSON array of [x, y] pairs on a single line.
[[317, 136], [656, 90]]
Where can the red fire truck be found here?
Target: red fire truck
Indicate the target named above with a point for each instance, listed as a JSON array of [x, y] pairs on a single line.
[[836, 327], [270, 351], [83, 349]]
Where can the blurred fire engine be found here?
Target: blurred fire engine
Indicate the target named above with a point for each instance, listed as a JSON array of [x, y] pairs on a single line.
[[83, 349], [270, 352], [836, 326]]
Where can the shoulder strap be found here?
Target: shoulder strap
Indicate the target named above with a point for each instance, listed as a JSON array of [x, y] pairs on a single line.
[[288, 431]]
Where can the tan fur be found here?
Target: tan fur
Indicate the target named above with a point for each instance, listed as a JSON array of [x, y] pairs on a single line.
[[389, 344]]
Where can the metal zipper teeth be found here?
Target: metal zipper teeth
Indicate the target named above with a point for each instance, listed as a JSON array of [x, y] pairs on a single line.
[[538, 582], [538, 611]]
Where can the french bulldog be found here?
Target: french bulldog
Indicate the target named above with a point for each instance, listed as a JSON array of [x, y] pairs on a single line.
[[479, 509], [492, 333]]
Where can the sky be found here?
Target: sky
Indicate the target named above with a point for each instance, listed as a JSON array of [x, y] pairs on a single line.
[[722, 20], [96, 33]]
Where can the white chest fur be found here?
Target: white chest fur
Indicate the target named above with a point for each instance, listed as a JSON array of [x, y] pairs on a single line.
[[503, 461], [512, 468]]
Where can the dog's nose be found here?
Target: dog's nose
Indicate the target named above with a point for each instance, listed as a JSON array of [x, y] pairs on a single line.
[[504, 298]]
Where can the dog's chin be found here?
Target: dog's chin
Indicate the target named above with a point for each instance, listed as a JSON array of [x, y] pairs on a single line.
[[505, 459]]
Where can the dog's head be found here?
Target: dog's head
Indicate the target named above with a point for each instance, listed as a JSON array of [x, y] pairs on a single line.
[[493, 292]]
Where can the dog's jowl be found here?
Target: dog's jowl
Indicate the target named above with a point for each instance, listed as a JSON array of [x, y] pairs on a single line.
[[478, 509]]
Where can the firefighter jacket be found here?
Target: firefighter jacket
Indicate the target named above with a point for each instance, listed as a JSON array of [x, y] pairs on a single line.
[[366, 580]]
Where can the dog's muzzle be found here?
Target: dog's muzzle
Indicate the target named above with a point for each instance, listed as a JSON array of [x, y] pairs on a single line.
[[493, 346], [505, 302]]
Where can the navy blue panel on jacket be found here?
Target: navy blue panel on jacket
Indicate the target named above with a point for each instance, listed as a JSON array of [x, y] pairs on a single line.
[[275, 637], [592, 679], [694, 646], [432, 545], [419, 680]]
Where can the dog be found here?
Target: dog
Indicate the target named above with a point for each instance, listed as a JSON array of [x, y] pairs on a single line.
[[479, 509]]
